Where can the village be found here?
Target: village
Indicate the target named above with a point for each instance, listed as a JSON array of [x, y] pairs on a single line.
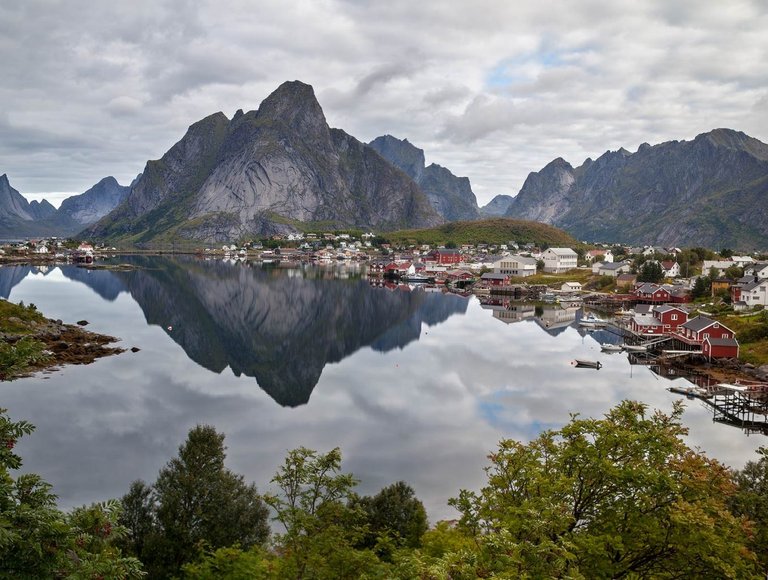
[[655, 295]]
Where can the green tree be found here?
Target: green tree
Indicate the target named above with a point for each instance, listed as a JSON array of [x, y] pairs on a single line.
[[751, 501], [734, 272], [39, 541], [622, 496], [196, 501], [323, 525], [701, 287], [651, 271], [395, 512], [726, 253]]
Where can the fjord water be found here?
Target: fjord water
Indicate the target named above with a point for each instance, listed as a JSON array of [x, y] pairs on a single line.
[[412, 385]]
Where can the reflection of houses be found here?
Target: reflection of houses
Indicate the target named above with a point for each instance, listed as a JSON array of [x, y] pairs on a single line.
[[515, 313], [558, 260], [554, 318]]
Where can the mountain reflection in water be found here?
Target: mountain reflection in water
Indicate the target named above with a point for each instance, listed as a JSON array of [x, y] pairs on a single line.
[[281, 327]]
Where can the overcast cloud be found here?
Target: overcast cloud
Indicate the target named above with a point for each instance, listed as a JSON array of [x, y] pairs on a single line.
[[490, 89]]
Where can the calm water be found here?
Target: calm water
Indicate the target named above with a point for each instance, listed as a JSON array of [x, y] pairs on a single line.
[[412, 385]]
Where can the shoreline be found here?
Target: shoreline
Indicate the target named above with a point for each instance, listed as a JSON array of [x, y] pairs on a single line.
[[64, 344]]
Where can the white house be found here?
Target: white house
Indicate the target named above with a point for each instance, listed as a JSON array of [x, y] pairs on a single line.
[[720, 265], [557, 260], [754, 293], [759, 269], [671, 268], [571, 287], [614, 269], [515, 265], [603, 255]]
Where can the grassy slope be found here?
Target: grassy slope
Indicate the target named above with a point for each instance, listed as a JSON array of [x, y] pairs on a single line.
[[490, 231]]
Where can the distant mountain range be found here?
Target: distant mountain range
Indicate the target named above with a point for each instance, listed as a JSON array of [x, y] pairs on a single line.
[[20, 218], [711, 191], [281, 168]]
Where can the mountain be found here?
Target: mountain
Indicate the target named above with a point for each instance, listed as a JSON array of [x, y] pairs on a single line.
[[275, 169], [451, 196], [711, 191], [497, 207], [89, 207], [20, 218]]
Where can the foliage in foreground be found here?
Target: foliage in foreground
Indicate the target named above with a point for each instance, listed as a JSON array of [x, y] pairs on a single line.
[[621, 496], [195, 502], [39, 541]]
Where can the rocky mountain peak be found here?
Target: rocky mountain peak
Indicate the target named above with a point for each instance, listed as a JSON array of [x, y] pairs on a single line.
[[294, 104], [402, 154], [734, 140]]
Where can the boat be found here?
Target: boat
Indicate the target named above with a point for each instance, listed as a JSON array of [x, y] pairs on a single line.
[[418, 278], [588, 364], [605, 347], [592, 321], [634, 347]]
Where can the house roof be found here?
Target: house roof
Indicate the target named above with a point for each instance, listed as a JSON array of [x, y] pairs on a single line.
[[722, 341], [650, 288], [699, 323], [562, 251], [749, 286], [643, 308], [667, 307], [494, 276], [668, 264], [613, 265], [642, 319]]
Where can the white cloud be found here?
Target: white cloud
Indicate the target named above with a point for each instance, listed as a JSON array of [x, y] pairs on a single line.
[[491, 90]]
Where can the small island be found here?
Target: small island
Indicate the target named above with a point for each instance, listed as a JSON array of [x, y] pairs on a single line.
[[30, 342]]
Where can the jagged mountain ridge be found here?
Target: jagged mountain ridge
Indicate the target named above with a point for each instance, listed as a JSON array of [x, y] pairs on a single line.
[[451, 196], [711, 191], [264, 172], [89, 207], [20, 218], [497, 207]]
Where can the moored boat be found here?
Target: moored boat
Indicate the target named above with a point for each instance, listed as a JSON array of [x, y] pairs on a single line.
[[588, 364], [605, 347]]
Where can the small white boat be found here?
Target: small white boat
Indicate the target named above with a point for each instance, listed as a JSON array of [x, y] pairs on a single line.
[[605, 347], [592, 321]]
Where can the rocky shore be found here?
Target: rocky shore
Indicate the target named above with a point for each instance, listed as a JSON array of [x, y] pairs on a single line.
[[63, 344]]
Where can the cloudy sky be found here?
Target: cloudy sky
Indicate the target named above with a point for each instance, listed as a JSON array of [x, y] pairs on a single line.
[[490, 89]]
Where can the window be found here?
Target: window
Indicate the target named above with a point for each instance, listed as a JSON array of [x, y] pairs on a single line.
[[674, 317]]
